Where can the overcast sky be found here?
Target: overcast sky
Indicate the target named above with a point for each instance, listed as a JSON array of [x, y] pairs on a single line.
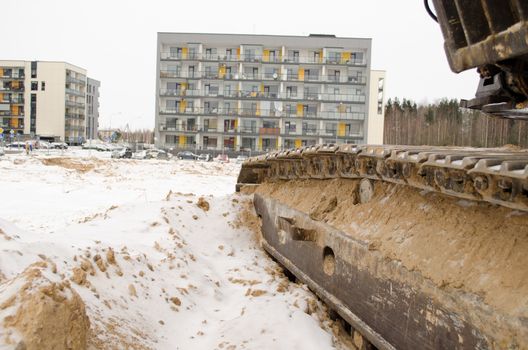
[[116, 41]]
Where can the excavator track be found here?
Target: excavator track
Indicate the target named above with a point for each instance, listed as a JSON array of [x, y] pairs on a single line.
[[497, 176], [385, 304]]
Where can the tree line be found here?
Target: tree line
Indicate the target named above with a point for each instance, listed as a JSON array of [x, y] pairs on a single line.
[[444, 123]]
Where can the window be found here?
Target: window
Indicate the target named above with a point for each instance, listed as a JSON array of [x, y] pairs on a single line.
[[33, 69], [34, 85], [43, 86]]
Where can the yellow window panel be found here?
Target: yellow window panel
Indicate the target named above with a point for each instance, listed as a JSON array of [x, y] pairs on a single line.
[[261, 87], [341, 129], [221, 71], [238, 53], [345, 57], [14, 110], [14, 123], [15, 84], [1, 72], [182, 140], [184, 52], [300, 109], [321, 56], [258, 109], [298, 143], [183, 105], [260, 143], [266, 55], [301, 74]]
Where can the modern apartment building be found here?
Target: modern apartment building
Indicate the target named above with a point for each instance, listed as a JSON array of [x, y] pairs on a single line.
[[92, 108], [45, 100], [263, 92]]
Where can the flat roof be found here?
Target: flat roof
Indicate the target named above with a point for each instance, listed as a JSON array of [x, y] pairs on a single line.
[[322, 40]]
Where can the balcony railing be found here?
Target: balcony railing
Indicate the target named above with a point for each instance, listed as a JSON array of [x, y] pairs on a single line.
[[74, 104], [269, 131], [326, 78], [74, 116], [16, 100], [262, 131], [75, 92], [70, 79], [74, 128], [259, 57], [266, 113], [12, 76]]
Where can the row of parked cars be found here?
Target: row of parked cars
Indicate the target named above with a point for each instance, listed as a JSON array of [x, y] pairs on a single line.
[[207, 157], [126, 152], [37, 145]]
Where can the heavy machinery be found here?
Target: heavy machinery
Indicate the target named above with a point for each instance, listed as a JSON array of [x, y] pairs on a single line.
[[416, 247]]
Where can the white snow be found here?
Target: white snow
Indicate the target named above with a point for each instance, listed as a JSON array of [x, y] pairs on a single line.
[[225, 283]]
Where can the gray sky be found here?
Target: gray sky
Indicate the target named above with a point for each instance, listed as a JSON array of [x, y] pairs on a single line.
[[116, 41]]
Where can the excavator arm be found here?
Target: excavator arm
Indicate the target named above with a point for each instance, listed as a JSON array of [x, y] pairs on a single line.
[[492, 36]]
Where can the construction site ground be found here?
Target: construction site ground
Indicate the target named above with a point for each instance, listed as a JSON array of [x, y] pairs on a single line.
[[127, 254]]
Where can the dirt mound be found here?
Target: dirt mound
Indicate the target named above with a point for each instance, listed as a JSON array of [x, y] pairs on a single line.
[[474, 247], [47, 314], [247, 217], [203, 204], [70, 163]]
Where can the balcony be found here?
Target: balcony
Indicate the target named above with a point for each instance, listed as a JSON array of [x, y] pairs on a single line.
[[74, 116], [268, 113], [12, 76], [179, 128], [74, 128], [260, 58], [75, 92], [14, 101], [269, 131], [70, 79], [74, 104]]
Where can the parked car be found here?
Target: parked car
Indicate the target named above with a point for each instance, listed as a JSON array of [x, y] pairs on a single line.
[[43, 145], [139, 155], [122, 153], [59, 145], [16, 145], [241, 159], [205, 157], [186, 155], [157, 154]]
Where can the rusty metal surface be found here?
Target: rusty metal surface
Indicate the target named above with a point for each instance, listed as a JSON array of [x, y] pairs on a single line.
[[477, 33], [404, 312]]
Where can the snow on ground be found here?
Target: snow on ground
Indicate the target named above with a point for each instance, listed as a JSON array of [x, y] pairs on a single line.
[[154, 269]]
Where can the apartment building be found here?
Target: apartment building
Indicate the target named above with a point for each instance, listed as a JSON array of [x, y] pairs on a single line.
[[46, 100], [92, 108], [263, 92]]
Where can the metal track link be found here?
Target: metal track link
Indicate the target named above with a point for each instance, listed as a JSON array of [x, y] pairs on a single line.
[[496, 176]]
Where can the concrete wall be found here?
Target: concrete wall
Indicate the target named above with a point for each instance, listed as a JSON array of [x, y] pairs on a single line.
[[50, 103], [376, 117]]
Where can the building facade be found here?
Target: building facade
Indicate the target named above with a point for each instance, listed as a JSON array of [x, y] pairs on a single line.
[[92, 108], [263, 92], [46, 100]]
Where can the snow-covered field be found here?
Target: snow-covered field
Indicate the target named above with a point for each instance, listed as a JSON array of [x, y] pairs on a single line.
[[134, 247]]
